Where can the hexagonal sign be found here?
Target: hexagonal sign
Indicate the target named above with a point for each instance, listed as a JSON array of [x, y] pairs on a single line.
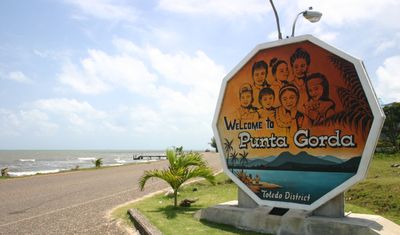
[[297, 122]]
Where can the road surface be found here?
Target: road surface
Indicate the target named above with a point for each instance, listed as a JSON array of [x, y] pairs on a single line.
[[74, 202]]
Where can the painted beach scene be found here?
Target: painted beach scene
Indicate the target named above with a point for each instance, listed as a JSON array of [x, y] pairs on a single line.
[[275, 175]]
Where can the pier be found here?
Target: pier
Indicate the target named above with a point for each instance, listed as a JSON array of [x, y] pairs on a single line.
[[149, 156]]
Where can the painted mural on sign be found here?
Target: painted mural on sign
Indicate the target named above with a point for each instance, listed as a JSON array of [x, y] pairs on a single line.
[[295, 120]]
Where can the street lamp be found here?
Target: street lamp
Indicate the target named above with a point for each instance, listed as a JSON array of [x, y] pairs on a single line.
[[277, 19], [310, 15]]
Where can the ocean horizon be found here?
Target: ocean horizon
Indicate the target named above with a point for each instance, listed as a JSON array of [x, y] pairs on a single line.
[[32, 162]]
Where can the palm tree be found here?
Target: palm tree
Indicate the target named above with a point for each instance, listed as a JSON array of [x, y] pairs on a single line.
[[213, 144], [243, 159], [182, 167], [98, 162], [178, 150], [234, 159], [228, 148]]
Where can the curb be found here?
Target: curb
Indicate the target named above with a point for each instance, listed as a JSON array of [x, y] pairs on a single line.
[[142, 224]]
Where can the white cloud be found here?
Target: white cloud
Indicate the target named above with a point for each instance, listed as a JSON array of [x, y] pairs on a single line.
[[125, 46], [9, 123], [101, 72], [222, 8], [385, 45], [38, 122], [65, 106], [387, 85], [197, 71], [26, 122], [388, 43], [177, 97], [130, 69], [104, 9], [82, 81], [18, 76]]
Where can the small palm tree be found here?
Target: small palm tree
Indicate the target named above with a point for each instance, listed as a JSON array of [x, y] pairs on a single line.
[[228, 146], [4, 172], [213, 144], [234, 159], [244, 159], [98, 162], [178, 150], [182, 167]]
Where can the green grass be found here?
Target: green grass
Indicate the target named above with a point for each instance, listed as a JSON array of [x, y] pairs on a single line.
[[160, 211], [379, 193]]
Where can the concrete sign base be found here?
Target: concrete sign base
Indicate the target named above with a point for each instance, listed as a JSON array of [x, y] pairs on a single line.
[[260, 220], [333, 208]]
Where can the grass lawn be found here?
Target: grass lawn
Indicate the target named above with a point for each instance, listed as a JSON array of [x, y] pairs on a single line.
[[378, 194], [160, 211]]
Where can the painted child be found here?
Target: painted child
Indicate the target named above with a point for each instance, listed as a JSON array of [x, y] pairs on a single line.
[[300, 62], [288, 118], [319, 105], [259, 72], [280, 76], [246, 111], [267, 111]]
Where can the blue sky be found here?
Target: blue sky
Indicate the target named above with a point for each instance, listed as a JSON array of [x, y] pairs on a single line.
[[119, 74]]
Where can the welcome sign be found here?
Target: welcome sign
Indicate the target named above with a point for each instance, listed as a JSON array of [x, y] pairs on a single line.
[[297, 122]]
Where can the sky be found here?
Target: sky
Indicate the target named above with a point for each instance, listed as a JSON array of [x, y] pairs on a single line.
[[134, 74]]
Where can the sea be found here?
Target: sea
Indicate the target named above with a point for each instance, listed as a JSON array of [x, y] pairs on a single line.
[[32, 162]]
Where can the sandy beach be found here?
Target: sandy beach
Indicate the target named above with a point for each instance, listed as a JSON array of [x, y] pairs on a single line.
[[74, 202]]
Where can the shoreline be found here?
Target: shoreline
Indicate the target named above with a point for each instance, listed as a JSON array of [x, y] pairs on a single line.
[[18, 175], [64, 171]]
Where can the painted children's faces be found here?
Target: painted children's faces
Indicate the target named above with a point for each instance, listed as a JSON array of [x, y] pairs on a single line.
[[282, 72], [289, 99], [300, 67], [267, 101], [259, 76], [246, 99], [315, 89]]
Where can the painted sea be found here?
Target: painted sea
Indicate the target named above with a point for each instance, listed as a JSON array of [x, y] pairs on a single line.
[[31, 162], [315, 184]]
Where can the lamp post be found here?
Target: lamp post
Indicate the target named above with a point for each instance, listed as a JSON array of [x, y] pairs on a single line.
[[277, 20], [310, 15]]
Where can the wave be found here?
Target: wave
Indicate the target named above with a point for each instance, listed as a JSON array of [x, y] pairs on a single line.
[[26, 173], [114, 164], [82, 159], [120, 161], [27, 160]]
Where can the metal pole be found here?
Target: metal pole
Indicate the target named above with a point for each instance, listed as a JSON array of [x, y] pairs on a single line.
[[277, 20], [294, 22]]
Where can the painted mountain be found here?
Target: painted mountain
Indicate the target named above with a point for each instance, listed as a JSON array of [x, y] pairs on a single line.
[[305, 162]]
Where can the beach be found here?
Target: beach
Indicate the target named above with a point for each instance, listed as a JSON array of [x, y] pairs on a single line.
[[31, 162], [75, 202]]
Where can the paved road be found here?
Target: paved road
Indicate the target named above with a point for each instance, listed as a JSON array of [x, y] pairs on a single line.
[[74, 202]]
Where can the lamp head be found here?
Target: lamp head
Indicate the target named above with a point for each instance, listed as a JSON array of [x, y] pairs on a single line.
[[312, 16]]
